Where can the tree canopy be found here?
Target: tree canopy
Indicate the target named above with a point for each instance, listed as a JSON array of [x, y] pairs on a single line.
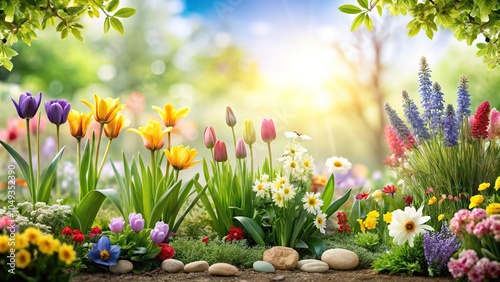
[[20, 20], [467, 19]]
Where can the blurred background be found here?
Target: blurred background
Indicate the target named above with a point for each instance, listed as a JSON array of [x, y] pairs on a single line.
[[295, 61]]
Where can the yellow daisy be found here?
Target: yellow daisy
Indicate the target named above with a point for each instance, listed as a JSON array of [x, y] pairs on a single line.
[[23, 259], [66, 253]]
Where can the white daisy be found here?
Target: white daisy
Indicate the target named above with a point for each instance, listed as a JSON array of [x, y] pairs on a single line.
[[407, 224], [312, 202], [320, 222], [278, 198], [264, 178], [293, 149], [293, 166], [308, 163], [338, 164], [279, 182], [260, 188], [288, 192]]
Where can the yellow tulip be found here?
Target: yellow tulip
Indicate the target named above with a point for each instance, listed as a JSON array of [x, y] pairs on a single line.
[[105, 110], [483, 186], [113, 129], [249, 135], [388, 217], [181, 157], [170, 115], [493, 208], [152, 134], [78, 123], [441, 217], [432, 200], [497, 184], [476, 201]]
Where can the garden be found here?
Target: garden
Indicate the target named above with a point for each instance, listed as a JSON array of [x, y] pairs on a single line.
[[214, 179]]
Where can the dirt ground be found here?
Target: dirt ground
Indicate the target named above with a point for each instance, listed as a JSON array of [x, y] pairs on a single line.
[[249, 275]]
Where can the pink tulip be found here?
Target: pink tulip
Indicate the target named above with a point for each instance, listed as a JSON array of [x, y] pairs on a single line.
[[230, 117], [267, 130], [494, 128], [220, 151], [209, 136], [241, 151]]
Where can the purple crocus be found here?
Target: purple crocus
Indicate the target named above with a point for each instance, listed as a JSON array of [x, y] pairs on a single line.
[[104, 253], [116, 224], [28, 105], [159, 233], [136, 221], [57, 111]]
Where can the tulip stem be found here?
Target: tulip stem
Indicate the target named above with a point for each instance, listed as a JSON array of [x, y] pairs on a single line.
[[234, 137], [31, 176], [78, 153], [101, 129], [167, 170], [270, 159], [104, 158], [58, 188], [57, 140], [251, 161], [38, 170], [176, 175]]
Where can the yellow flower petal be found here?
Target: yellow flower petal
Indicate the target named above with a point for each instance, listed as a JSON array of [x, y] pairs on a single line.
[[483, 186], [181, 157]]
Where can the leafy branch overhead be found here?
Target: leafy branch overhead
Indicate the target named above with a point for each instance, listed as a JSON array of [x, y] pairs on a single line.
[[467, 19], [20, 19]]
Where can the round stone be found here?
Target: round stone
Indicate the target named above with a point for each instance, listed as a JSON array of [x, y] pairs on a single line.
[[340, 259], [222, 269], [196, 266], [304, 261], [315, 267], [172, 265], [263, 266], [282, 258], [122, 266]]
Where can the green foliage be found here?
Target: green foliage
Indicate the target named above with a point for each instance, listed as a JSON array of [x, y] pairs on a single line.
[[367, 240], [403, 259], [20, 20], [466, 19], [237, 253]]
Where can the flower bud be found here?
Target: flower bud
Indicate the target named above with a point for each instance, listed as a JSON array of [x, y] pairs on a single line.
[[268, 130], [220, 151], [136, 221], [230, 117], [241, 151], [209, 137], [249, 132], [116, 224]]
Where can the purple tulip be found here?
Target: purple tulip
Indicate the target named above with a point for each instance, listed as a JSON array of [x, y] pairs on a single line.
[[159, 233], [116, 224], [209, 137], [162, 226], [220, 151], [28, 105], [267, 130], [136, 221], [241, 150], [57, 111]]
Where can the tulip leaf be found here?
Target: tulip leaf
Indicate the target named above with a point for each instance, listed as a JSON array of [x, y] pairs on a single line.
[[191, 205], [337, 204], [23, 165], [43, 193], [316, 245], [328, 192], [159, 207], [87, 209], [253, 228]]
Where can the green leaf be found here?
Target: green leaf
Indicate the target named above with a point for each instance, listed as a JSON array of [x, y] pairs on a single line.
[[9, 13], [368, 23], [106, 25], [23, 165], [112, 5], [64, 33], [77, 34], [8, 64], [253, 228], [316, 245], [379, 10], [357, 22], [9, 52], [75, 10], [125, 13], [363, 3], [87, 209], [414, 30], [350, 9], [43, 194], [160, 205], [328, 192], [337, 204], [117, 25]]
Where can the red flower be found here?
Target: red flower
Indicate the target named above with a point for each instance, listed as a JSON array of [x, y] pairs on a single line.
[[94, 231], [205, 240], [166, 252], [481, 120], [77, 231], [408, 200], [395, 145], [342, 218], [67, 231], [389, 190], [235, 233], [362, 196], [78, 237], [430, 190]]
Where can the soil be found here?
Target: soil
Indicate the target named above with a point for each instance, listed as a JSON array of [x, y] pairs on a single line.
[[248, 275]]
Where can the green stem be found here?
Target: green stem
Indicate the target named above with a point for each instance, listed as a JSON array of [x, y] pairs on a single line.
[[153, 171], [270, 158], [38, 170], [78, 153], [167, 171], [32, 175], [234, 138], [251, 161], [104, 159], [176, 175], [58, 187], [57, 140], [101, 129]]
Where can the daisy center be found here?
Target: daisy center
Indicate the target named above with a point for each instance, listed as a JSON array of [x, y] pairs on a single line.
[[410, 226], [104, 255], [312, 201], [293, 165], [306, 163], [337, 164], [260, 187], [319, 220]]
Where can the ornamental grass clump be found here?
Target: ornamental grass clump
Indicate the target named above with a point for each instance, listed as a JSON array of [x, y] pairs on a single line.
[[443, 147]]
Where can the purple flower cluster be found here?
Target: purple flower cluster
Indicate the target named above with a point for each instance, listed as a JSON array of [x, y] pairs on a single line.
[[476, 269], [437, 109], [402, 131], [424, 79], [413, 117], [439, 248], [450, 127], [463, 99]]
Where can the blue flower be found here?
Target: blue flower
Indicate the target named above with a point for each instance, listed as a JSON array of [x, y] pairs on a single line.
[[463, 99], [104, 253], [413, 117], [402, 131], [437, 109], [450, 127], [425, 90]]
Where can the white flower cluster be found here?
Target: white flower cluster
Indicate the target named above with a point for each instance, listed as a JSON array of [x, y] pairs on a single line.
[[45, 217]]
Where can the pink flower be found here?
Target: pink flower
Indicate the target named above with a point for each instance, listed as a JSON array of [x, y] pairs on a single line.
[[494, 128], [5, 221], [362, 196], [478, 214], [209, 137], [241, 151], [267, 130], [220, 151], [395, 145]]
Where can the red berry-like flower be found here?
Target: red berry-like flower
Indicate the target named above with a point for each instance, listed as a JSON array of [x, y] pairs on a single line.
[[78, 237], [166, 252], [94, 231], [408, 200], [235, 233], [390, 190], [481, 120], [77, 231], [67, 231], [205, 240], [362, 196]]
